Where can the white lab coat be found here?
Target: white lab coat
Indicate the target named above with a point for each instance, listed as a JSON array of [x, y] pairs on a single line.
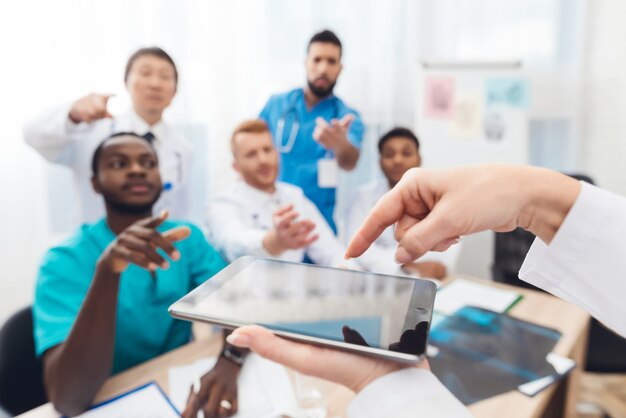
[[240, 217], [379, 258], [61, 141], [584, 264]]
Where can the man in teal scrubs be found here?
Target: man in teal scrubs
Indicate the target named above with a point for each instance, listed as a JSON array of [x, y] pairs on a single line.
[[102, 296], [315, 132]]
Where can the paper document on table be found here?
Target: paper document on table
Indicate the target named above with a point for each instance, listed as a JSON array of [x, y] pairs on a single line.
[[461, 292], [264, 388], [147, 401]]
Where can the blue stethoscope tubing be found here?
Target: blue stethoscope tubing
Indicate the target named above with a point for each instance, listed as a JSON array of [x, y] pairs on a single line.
[[286, 147]]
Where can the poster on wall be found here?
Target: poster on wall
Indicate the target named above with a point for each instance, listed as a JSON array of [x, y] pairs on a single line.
[[511, 92], [467, 119], [438, 97]]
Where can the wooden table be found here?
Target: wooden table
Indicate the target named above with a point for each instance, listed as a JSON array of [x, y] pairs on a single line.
[[543, 309]]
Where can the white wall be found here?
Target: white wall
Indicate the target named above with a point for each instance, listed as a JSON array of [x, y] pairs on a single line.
[[232, 55], [545, 35], [604, 149]]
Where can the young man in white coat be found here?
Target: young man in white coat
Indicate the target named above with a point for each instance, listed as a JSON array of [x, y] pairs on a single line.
[[399, 151], [69, 134]]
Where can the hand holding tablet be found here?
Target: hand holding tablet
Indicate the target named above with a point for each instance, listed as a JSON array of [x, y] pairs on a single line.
[[379, 315], [351, 370]]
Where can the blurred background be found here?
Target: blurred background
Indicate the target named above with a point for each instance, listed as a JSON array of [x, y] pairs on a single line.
[[563, 58]]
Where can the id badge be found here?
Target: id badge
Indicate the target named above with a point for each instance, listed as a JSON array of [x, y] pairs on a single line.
[[327, 173]]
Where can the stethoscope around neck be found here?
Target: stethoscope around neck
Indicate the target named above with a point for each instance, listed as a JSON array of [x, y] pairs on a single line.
[[286, 147]]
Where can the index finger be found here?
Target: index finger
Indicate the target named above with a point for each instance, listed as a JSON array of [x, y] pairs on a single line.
[[177, 234], [386, 212], [346, 120], [165, 240], [321, 121], [102, 102], [283, 209], [305, 223], [193, 404], [155, 221], [284, 220]]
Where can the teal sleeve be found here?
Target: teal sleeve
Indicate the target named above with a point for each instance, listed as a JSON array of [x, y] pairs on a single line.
[[62, 283], [204, 260]]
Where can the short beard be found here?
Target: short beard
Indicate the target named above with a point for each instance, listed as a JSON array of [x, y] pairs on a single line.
[[130, 209], [321, 93]]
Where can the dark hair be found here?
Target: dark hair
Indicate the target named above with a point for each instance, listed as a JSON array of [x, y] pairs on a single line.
[[96, 154], [325, 36], [398, 132], [153, 50]]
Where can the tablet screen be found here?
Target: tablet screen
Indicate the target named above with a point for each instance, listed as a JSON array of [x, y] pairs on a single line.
[[379, 311]]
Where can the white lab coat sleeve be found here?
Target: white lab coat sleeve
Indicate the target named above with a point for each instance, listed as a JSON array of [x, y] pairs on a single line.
[[229, 233], [377, 258], [584, 264], [409, 392], [55, 136], [326, 250]]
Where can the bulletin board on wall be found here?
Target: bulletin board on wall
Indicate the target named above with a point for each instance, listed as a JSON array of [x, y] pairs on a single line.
[[472, 114]]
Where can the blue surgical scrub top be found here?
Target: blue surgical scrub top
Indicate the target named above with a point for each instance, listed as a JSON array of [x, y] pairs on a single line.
[[299, 165], [144, 329]]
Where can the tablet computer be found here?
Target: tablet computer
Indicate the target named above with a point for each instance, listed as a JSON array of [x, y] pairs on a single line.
[[381, 315]]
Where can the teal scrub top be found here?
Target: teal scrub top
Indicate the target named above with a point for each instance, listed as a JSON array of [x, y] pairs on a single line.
[[144, 329], [298, 165]]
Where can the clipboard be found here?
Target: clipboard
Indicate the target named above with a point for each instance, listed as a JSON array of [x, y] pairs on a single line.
[[145, 400]]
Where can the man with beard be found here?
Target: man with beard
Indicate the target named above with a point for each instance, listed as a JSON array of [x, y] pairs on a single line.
[[315, 132], [101, 297]]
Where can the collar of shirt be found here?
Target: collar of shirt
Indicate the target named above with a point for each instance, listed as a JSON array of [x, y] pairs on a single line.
[[260, 197], [319, 106], [130, 121]]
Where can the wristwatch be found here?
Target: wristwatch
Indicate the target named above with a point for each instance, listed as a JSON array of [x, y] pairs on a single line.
[[233, 355]]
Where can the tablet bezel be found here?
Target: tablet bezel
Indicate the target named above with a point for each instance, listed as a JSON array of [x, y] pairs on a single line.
[[180, 309]]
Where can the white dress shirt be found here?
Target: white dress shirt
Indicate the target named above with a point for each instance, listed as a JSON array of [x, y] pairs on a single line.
[[380, 256], [584, 264], [61, 141], [240, 217]]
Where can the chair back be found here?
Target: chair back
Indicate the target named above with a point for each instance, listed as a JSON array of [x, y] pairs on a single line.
[[21, 372]]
